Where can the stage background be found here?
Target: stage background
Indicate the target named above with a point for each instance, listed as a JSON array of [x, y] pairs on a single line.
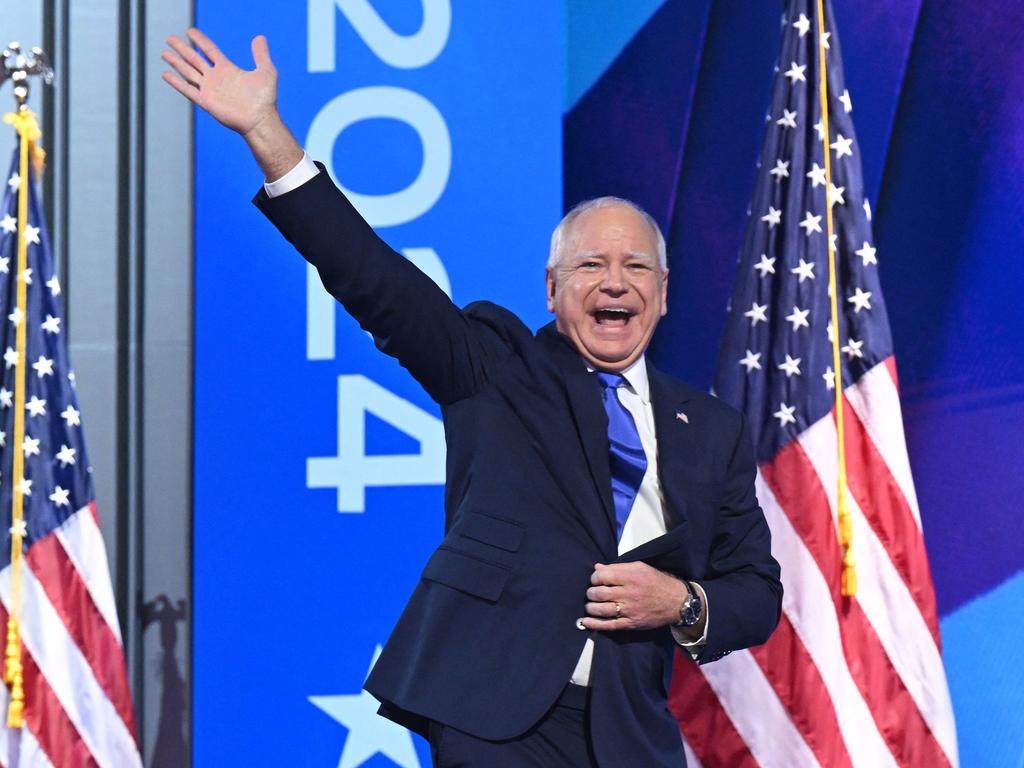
[[662, 102]]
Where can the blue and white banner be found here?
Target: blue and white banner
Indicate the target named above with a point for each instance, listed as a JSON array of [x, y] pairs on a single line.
[[319, 463]]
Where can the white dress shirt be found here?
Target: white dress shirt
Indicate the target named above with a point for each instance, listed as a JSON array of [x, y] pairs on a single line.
[[647, 518]]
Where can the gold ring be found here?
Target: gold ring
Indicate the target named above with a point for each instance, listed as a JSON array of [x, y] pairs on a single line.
[[618, 609]]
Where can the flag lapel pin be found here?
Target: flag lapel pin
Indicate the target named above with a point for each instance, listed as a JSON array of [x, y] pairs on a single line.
[[682, 417]]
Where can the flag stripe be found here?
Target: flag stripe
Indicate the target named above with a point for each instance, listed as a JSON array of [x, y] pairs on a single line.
[[877, 403], [46, 718], [792, 477], [889, 515], [70, 598], [751, 702], [69, 675], [82, 540], [894, 616], [812, 612], [789, 668], [705, 725]]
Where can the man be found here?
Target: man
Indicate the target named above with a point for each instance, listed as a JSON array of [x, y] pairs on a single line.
[[598, 513]]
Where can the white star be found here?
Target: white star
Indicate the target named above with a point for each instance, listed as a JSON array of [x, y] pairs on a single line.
[[751, 361], [835, 195], [824, 40], [833, 242], [788, 119], [51, 324], [20, 529], [36, 407], [765, 266], [867, 209], [781, 170], [9, 224], [14, 182], [16, 316], [852, 349], [828, 331], [785, 414], [65, 455], [5, 265], [25, 486], [830, 378], [31, 234], [860, 300], [30, 445], [756, 313], [26, 275], [819, 128], [804, 270], [70, 415], [811, 224], [816, 175], [10, 357], [43, 367], [3, 439], [60, 497], [796, 72], [54, 285], [773, 217], [845, 99], [798, 318], [369, 734], [842, 146], [867, 252], [5, 397], [790, 366], [802, 25]]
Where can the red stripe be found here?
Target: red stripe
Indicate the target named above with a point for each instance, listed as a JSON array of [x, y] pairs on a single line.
[[798, 684], [799, 492], [69, 595], [882, 501], [56, 734], [704, 723]]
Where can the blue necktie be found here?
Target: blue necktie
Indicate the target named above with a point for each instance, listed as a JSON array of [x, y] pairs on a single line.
[[628, 460]]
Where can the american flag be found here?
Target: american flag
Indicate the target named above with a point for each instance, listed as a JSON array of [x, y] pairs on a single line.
[[844, 681], [78, 706]]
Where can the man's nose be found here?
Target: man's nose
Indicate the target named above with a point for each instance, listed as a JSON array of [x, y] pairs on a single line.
[[614, 279]]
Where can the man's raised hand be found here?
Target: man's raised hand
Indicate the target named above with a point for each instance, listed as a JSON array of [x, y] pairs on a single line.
[[243, 100]]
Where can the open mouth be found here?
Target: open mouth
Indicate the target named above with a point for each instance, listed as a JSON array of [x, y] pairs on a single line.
[[614, 317]]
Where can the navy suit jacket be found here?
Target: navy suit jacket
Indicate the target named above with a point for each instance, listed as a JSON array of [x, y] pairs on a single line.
[[488, 639]]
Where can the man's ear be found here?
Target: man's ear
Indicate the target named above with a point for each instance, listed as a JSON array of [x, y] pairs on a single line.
[[549, 280], [664, 294]]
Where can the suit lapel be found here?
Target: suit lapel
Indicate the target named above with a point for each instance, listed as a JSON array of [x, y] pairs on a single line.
[[671, 427], [584, 394]]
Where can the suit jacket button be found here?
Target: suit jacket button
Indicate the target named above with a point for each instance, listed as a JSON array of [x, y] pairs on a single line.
[[579, 624]]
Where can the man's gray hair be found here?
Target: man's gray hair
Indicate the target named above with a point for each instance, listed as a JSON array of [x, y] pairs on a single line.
[[560, 236]]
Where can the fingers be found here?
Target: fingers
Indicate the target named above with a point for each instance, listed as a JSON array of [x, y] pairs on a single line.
[[207, 46], [608, 610], [187, 90], [603, 574], [261, 52], [188, 53], [187, 72], [606, 625], [605, 594]]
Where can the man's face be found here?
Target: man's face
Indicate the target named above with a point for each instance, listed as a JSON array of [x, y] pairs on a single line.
[[607, 291]]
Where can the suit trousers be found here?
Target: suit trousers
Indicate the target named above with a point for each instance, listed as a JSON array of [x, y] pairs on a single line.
[[560, 740]]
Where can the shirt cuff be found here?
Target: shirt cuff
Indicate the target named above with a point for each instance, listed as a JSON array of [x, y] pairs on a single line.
[[303, 171], [694, 647]]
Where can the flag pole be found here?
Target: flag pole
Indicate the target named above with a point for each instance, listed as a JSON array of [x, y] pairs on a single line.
[[848, 580], [18, 67]]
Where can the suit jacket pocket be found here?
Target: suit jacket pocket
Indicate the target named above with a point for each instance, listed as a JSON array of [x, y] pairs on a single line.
[[467, 573], [496, 531]]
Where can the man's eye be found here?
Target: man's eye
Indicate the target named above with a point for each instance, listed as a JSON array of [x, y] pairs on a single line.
[[639, 267], [590, 265]]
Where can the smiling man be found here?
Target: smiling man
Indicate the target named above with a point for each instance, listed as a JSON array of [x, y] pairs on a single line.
[[599, 514]]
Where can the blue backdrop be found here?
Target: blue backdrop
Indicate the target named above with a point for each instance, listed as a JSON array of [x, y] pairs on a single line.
[[447, 125], [662, 101]]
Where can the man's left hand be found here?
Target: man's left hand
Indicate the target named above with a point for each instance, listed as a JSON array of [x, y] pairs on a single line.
[[632, 596]]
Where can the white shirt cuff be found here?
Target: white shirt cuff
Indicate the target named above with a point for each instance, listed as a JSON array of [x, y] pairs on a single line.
[[694, 647], [303, 171]]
